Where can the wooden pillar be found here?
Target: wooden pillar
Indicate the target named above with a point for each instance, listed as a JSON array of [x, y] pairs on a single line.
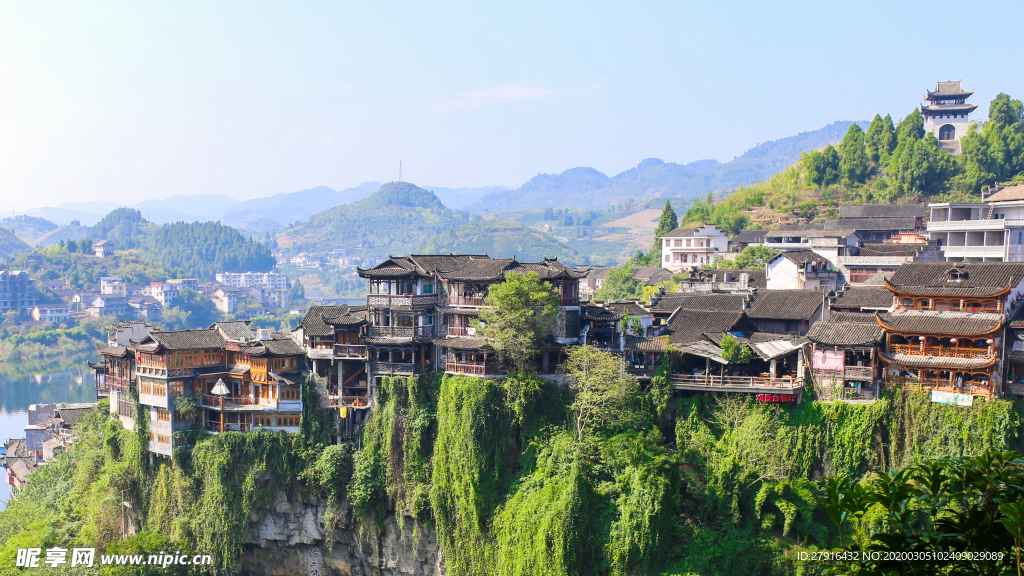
[[772, 366], [222, 416]]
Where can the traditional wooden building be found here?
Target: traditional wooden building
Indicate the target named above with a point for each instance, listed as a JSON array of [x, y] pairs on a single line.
[[421, 311], [845, 362], [947, 331]]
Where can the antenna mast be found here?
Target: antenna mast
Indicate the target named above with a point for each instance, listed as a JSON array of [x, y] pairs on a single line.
[[399, 169]]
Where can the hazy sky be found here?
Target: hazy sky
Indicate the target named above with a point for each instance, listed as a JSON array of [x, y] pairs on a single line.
[[126, 101]]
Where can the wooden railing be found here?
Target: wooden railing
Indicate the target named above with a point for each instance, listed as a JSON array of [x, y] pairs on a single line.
[[320, 352], [710, 381], [944, 385], [393, 300], [472, 368], [456, 300], [859, 373], [220, 402], [349, 351], [391, 331], [215, 427], [939, 351], [406, 368], [352, 401]]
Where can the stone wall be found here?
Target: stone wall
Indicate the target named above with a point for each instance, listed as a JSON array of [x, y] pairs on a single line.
[[293, 538]]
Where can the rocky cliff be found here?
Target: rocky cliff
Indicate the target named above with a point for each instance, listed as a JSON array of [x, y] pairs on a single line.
[[298, 537]]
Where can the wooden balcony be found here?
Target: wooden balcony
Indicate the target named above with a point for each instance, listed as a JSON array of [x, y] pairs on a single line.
[[400, 300], [939, 351], [215, 427], [401, 331], [461, 331], [348, 401], [227, 402], [943, 385], [784, 385], [345, 351], [858, 373], [457, 300], [396, 368], [472, 368], [320, 352]]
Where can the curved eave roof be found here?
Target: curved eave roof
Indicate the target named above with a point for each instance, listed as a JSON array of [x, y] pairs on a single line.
[[941, 323], [912, 361], [946, 291], [936, 108], [945, 95]]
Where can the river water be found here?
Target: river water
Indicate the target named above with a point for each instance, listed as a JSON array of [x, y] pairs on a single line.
[[17, 393]]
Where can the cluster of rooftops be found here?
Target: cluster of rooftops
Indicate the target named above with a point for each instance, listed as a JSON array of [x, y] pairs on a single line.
[[941, 325]]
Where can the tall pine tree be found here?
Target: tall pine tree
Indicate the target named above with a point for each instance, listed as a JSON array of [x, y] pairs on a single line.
[[854, 163], [668, 222]]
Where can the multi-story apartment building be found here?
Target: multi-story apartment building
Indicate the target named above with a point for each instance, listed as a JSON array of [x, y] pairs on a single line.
[[244, 380], [947, 329], [17, 290], [688, 248], [272, 280], [988, 231]]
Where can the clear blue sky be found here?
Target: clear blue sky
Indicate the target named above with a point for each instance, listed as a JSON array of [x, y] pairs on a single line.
[[121, 100]]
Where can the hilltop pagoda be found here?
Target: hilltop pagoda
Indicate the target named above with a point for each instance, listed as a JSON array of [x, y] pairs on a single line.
[[945, 114]]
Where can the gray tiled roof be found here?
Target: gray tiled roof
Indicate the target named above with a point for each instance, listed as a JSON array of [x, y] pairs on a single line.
[[749, 236], [687, 325], [314, 322], [864, 298], [975, 278], [461, 343], [277, 347], [720, 302], [1007, 194], [883, 211], [942, 322], [183, 340], [838, 333], [352, 316], [469, 267], [656, 344], [891, 250], [786, 304], [235, 330], [679, 233], [73, 416], [915, 361], [871, 224]]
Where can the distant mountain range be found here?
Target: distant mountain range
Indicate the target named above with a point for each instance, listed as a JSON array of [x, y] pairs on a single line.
[[654, 178], [577, 188]]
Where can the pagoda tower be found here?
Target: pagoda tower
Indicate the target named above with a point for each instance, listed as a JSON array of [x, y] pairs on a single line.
[[945, 114]]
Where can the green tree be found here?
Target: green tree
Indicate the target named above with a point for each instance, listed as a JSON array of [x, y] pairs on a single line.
[[600, 387], [854, 165], [735, 352], [966, 506], [520, 311], [753, 257], [667, 223], [619, 285], [297, 291], [995, 154], [822, 167], [189, 311]]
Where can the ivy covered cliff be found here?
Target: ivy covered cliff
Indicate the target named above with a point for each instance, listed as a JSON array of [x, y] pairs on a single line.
[[517, 476]]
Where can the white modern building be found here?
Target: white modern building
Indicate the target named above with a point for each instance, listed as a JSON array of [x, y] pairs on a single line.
[[988, 231], [801, 270], [687, 248], [272, 280]]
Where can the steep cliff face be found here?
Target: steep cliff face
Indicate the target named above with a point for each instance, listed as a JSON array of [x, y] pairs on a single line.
[[294, 537]]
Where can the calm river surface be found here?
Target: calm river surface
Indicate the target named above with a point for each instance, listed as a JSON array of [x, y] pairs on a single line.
[[75, 384]]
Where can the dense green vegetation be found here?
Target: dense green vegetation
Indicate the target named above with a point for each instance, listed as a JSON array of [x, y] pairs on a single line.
[[202, 249], [10, 245], [83, 270], [500, 240], [971, 510], [40, 349], [398, 217]]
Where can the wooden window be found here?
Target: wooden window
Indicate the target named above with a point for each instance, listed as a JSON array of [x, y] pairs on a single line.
[[163, 439], [163, 415], [177, 389], [151, 437], [907, 302], [145, 387]]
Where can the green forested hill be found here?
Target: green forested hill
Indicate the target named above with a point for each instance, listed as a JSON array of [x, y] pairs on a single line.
[[11, 245], [498, 239], [195, 249], [399, 217]]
